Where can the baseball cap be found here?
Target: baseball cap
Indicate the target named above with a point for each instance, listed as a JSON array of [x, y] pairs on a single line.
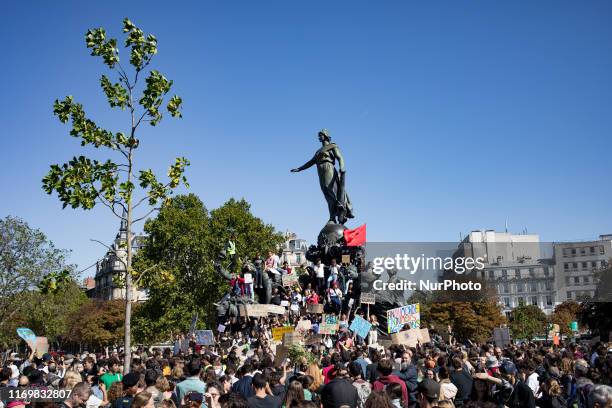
[[429, 388], [508, 367], [130, 379], [492, 362]]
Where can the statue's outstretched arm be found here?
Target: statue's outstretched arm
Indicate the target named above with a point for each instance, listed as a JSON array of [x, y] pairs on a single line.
[[306, 165], [220, 269]]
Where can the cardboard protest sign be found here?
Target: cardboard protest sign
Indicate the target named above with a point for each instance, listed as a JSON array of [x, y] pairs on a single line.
[[367, 298], [289, 339], [398, 318], [329, 324], [314, 308], [257, 310], [282, 352], [501, 336], [360, 327], [204, 337], [221, 328], [41, 346], [346, 259], [385, 342], [291, 279], [409, 338], [424, 336], [277, 332], [303, 325]]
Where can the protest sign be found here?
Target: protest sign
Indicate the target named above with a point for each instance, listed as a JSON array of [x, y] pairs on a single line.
[[556, 340], [573, 326], [291, 338], [314, 308], [346, 259], [329, 325], [204, 337], [284, 303], [291, 279], [282, 352], [277, 332], [385, 342], [367, 298], [501, 336], [398, 318], [263, 310], [303, 325], [424, 336], [360, 327], [409, 338], [41, 346], [221, 328], [28, 335]]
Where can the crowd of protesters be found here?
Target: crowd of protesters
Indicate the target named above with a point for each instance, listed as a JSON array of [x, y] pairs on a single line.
[[242, 368]]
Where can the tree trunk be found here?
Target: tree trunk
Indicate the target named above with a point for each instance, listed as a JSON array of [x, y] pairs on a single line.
[[127, 341]]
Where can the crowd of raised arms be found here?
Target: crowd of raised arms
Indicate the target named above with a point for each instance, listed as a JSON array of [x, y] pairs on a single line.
[[242, 368]]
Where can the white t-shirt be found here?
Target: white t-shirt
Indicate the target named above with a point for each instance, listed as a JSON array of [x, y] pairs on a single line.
[[320, 271]]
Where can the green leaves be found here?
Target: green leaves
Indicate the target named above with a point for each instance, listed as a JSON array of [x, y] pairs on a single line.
[[82, 127], [157, 87], [81, 181], [174, 104], [143, 48], [96, 40], [116, 94], [158, 191]]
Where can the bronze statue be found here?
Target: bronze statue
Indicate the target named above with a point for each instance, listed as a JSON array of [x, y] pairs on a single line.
[[331, 179]]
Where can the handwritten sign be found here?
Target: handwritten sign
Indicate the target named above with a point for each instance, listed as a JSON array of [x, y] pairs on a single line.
[[424, 336], [291, 338], [314, 308], [303, 325], [329, 324], [277, 332], [360, 327], [204, 337], [367, 298], [409, 338], [398, 318], [291, 279], [263, 310], [501, 336]]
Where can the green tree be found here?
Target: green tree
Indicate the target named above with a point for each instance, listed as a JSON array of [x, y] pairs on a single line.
[[98, 323], [181, 243], [564, 314], [26, 258], [84, 182], [527, 322], [596, 313], [50, 313]]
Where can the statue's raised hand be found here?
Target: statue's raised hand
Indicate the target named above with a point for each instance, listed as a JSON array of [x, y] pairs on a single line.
[[295, 170]]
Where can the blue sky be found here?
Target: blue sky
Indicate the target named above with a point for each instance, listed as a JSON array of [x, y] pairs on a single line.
[[452, 116]]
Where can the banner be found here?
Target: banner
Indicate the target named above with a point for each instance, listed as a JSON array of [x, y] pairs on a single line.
[[41, 346], [303, 325], [398, 318], [367, 298], [291, 279], [204, 337], [277, 332], [360, 327], [424, 336]]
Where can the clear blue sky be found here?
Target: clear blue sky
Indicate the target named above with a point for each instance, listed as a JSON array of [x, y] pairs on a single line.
[[452, 116]]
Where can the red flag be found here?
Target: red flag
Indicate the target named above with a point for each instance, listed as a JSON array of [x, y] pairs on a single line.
[[355, 237]]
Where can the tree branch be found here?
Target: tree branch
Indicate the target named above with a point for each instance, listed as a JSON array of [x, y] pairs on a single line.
[[145, 216]]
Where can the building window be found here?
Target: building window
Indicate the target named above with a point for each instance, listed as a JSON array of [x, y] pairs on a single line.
[[576, 280], [534, 287], [504, 273], [547, 285], [592, 250], [520, 287], [587, 279], [582, 251], [575, 265], [534, 300], [549, 300], [601, 250], [507, 302], [547, 271], [585, 265], [570, 295], [298, 258], [573, 251], [531, 272], [566, 266]]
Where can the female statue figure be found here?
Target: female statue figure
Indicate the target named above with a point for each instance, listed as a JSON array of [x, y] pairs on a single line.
[[330, 179]]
